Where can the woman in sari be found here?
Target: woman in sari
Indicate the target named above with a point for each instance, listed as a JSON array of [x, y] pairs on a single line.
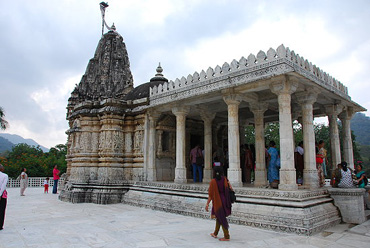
[[320, 157], [218, 193], [361, 177], [274, 165]]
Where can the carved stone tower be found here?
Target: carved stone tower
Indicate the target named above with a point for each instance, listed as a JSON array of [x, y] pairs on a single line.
[[96, 113]]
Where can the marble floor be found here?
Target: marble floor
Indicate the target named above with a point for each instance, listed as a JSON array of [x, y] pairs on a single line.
[[41, 220]]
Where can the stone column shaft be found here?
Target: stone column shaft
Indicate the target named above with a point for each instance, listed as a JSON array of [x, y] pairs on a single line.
[[180, 170], [152, 169], [310, 176], [345, 118], [234, 171], [284, 89], [259, 130], [332, 112], [207, 119]]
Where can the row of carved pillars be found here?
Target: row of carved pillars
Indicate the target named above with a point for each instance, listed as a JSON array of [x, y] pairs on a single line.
[[283, 89]]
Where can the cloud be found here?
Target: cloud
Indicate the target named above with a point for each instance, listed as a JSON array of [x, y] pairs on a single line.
[[46, 46], [50, 99]]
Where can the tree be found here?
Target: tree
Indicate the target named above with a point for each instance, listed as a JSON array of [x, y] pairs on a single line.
[[38, 163], [3, 123]]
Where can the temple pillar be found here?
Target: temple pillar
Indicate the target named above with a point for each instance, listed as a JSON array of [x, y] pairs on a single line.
[[180, 170], [345, 117], [258, 110], [283, 89], [234, 171], [332, 111], [310, 176], [151, 167], [207, 119]]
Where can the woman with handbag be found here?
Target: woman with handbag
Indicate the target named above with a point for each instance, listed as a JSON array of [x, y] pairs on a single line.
[[219, 194]]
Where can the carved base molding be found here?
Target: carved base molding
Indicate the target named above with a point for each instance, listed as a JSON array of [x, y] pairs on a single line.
[[90, 193], [303, 212]]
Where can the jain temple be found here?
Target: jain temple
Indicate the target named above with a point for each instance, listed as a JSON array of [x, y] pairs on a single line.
[[131, 145]]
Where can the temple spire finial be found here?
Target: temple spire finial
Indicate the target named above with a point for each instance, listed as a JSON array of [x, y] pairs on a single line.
[[103, 6], [159, 70]]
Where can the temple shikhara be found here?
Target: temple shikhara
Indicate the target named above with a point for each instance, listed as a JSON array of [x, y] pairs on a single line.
[[131, 145]]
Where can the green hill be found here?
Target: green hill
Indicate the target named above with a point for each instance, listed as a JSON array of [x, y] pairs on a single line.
[[5, 145], [360, 124]]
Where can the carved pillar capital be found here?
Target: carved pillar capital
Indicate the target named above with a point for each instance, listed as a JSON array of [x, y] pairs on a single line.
[[284, 86], [306, 97], [333, 109], [257, 107], [153, 115], [232, 98], [206, 115], [347, 114], [180, 110]]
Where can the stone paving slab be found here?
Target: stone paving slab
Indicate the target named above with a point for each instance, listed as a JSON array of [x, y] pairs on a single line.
[[41, 220]]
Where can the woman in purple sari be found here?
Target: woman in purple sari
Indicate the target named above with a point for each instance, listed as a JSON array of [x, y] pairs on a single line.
[[218, 193]]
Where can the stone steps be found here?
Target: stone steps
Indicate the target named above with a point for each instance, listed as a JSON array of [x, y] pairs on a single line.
[[302, 212]]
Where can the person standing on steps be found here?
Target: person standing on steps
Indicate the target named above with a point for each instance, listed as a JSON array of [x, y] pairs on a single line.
[[196, 158], [56, 179]]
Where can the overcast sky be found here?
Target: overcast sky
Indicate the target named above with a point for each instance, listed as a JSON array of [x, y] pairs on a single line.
[[45, 46]]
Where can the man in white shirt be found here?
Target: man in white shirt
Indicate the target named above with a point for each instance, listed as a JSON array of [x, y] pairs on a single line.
[[3, 195]]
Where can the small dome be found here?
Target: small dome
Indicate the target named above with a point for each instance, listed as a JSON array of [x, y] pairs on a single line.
[[159, 76]]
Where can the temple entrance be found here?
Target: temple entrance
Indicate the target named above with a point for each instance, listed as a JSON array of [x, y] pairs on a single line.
[[194, 140]]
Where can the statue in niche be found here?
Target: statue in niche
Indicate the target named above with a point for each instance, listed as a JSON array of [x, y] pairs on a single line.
[[76, 124], [138, 141], [128, 142], [95, 141], [83, 142], [102, 141], [117, 141]]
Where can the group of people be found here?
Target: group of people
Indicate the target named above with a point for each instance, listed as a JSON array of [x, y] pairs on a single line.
[[23, 185], [321, 162], [344, 177], [23, 177]]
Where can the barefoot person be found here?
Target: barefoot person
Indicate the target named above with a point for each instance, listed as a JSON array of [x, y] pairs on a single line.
[[3, 195], [218, 193]]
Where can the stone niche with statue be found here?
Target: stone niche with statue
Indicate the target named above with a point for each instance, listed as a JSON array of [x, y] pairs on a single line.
[[131, 144]]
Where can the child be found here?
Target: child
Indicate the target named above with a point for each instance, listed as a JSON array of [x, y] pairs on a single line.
[[46, 185]]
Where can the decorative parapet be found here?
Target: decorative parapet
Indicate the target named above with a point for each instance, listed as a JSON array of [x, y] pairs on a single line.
[[264, 65]]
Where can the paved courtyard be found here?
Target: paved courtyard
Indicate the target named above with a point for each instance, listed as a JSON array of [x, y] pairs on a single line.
[[41, 220]]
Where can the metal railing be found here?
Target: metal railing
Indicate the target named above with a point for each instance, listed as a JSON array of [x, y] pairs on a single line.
[[32, 182]]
